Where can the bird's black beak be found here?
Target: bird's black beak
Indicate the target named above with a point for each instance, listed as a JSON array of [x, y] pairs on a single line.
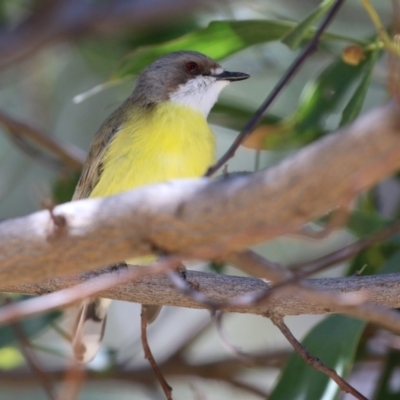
[[231, 76]]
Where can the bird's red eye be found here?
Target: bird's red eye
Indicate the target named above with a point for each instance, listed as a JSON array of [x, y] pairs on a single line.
[[192, 67]]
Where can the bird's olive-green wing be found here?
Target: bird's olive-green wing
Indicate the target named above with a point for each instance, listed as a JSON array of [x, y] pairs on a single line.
[[92, 169]]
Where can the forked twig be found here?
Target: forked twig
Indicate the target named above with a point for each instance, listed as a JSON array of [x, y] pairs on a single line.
[[319, 264], [283, 278], [286, 78], [313, 361], [149, 356]]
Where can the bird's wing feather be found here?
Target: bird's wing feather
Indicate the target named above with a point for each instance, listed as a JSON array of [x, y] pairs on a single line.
[[92, 169]]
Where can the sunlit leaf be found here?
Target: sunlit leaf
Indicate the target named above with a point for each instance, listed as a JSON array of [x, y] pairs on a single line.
[[353, 107], [323, 95], [264, 136], [10, 357]]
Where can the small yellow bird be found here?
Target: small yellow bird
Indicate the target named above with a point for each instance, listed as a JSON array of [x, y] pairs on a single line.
[[159, 133]]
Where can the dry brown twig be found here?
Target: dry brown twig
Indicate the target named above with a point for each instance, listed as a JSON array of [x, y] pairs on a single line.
[[225, 369], [69, 155], [312, 361], [72, 381], [149, 356]]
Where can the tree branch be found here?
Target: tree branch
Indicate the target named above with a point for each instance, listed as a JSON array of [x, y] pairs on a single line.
[[382, 290], [67, 153], [204, 218]]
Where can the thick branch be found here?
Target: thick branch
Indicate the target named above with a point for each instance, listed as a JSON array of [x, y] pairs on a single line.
[[382, 290], [204, 218]]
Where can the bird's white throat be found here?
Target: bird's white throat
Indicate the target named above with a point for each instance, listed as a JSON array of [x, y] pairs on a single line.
[[200, 93]]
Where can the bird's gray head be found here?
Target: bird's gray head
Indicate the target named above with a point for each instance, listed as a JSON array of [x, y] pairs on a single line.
[[186, 77]]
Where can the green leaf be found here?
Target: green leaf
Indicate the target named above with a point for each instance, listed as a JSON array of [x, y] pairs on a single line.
[[353, 107], [217, 267], [386, 390], [364, 223], [322, 96], [295, 36], [392, 264], [64, 187], [334, 341], [218, 40]]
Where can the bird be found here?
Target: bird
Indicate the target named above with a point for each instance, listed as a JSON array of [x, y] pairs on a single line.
[[159, 133]]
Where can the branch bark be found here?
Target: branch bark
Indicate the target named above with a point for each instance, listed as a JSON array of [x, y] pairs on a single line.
[[204, 218], [383, 290]]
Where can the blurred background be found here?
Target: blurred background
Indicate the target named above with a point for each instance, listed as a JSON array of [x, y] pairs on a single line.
[[52, 51]]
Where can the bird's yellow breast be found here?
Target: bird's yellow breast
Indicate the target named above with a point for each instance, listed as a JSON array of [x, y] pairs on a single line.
[[170, 141]]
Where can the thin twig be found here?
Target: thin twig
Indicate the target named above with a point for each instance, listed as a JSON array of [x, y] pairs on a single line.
[[149, 356], [308, 268], [248, 388], [225, 369], [282, 277], [255, 265], [286, 78], [32, 361], [72, 382], [67, 153], [184, 287], [36, 154], [354, 305], [313, 361], [47, 302], [381, 30]]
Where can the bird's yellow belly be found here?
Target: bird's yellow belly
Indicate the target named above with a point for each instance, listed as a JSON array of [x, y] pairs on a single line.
[[170, 142]]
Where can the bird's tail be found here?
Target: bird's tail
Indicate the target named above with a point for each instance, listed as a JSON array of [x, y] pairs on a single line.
[[89, 329]]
